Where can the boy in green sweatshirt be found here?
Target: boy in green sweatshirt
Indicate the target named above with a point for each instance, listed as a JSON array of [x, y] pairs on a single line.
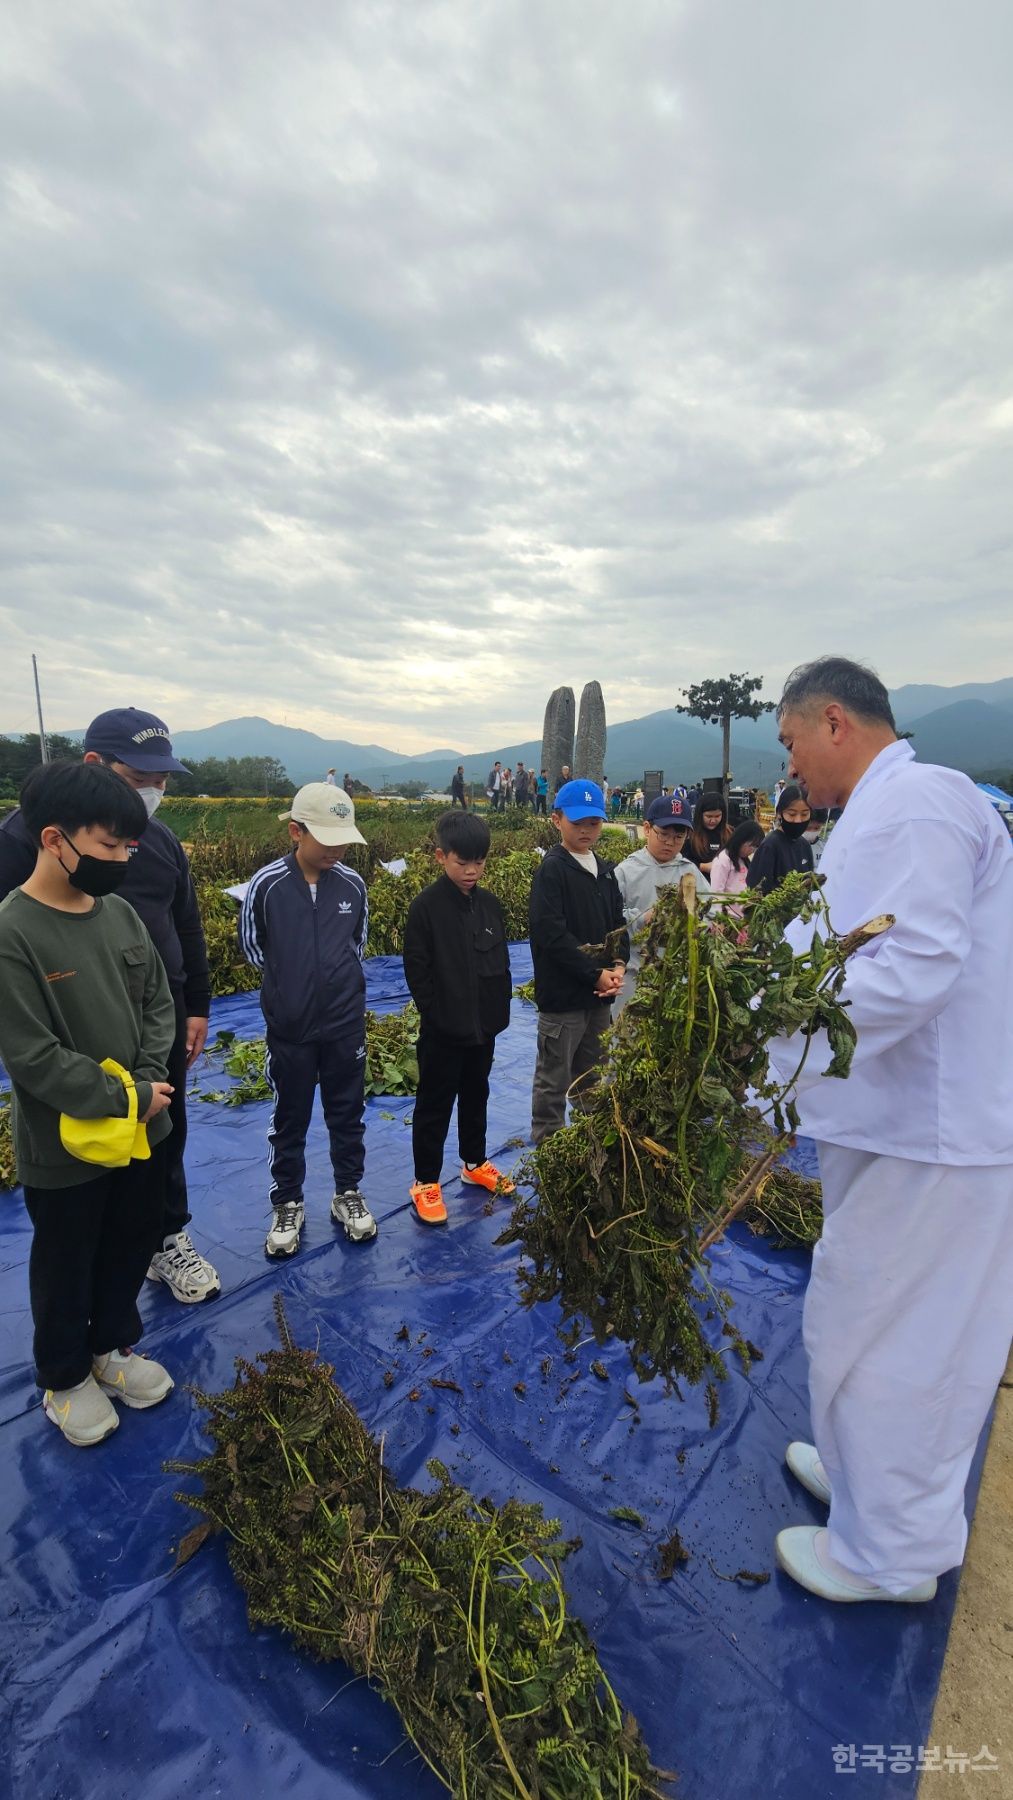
[[80, 983]]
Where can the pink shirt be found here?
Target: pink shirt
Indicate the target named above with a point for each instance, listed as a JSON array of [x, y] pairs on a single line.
[[724, 877]]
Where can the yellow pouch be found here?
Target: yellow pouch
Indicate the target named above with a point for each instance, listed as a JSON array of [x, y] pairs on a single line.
[[111, 1143]]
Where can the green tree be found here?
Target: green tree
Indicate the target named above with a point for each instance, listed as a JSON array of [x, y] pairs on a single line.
[[719, 702]]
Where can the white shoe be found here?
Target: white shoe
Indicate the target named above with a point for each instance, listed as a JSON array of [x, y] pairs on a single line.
[[82, 1413], [806, 1467], [188, 1276], [803, 1552], [286, 1229], [134, 1379], [350, 1210]]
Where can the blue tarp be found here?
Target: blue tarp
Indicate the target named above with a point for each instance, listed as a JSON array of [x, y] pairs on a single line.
[[121, 1676]]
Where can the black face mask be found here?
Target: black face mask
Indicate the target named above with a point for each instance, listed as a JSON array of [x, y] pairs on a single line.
[[93, 874], [793, 828]]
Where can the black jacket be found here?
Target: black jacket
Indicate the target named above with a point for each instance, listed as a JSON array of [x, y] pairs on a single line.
[[159, 887], [569, 906], [777, 857], [310, 951], [456, 962], [457, 787]]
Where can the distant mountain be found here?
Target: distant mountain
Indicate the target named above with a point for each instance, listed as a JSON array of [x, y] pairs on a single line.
[[667, 740], [969, 735], [968, 727], [915, 702]]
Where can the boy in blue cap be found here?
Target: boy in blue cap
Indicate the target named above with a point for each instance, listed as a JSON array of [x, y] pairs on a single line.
[[575, 900]]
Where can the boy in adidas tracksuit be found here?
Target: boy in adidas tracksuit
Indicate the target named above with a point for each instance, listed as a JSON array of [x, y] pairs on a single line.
[[303, 924]]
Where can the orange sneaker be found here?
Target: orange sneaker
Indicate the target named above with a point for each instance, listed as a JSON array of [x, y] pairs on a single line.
[[487, 1176], [427, 1199]]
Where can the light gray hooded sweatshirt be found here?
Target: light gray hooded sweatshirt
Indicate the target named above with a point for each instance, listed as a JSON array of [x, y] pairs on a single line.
[[640, 878]]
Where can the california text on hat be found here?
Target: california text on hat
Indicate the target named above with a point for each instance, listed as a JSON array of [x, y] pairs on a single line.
[[327, 813]]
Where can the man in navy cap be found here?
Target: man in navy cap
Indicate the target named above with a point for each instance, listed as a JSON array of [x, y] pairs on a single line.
[[657, 865], [159, 887]]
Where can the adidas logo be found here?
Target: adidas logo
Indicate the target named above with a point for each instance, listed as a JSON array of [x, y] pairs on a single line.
[[360, 1053], [344, 906]]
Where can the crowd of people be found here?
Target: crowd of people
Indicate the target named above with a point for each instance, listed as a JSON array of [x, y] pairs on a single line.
[[104, 1005]]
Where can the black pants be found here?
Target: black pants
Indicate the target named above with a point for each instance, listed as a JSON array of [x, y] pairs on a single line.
[[90, 1253], [177, 1212], [295, 1071], [540, 805], [449, 1071]]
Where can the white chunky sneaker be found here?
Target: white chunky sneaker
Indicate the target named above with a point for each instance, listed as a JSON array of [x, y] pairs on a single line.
[[134, 1379], [286, 1229], [82, 1413], [350, 1210], [188, 1276]]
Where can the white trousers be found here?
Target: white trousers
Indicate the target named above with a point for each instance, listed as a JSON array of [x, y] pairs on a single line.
[[907, 1324]]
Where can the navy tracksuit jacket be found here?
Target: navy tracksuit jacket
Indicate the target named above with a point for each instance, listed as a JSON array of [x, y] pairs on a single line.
[[314, 1003]]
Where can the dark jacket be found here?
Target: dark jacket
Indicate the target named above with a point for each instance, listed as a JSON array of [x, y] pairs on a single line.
[[569, 907], [159, 887], [456, 962], [777, 857], [457, 787], [310, 951]]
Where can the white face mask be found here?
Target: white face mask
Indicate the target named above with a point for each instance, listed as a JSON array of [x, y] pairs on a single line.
[[152, 798]]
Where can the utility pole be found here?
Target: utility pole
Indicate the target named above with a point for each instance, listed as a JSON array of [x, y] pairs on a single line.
[[43, 746]]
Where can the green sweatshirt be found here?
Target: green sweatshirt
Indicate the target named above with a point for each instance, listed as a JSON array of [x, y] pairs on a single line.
[[75, 988]]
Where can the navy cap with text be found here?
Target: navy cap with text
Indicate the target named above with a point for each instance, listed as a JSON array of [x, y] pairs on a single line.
[[138, 739]]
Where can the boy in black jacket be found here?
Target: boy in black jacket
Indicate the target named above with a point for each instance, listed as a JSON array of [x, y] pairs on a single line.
[[303, 923], [458, 969], [575, 900]]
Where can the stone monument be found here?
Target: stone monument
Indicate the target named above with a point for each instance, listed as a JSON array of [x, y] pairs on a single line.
[[589, 751]]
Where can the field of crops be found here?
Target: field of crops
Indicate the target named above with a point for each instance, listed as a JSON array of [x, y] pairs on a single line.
[[229, 840]]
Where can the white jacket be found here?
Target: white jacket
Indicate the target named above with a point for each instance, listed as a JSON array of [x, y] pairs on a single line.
[[932, 1000]]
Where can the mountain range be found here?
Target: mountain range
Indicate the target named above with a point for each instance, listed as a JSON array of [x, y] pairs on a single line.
[[967, 727]]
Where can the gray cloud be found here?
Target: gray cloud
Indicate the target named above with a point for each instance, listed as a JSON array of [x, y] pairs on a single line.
[[382, 366]]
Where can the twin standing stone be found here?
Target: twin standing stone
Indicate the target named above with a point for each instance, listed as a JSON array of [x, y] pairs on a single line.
[[587, 757]]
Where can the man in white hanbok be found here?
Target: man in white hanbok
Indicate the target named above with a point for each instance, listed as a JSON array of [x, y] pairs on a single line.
[[909, 1312]]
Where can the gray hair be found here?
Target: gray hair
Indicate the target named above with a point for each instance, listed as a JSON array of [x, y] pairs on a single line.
[[836, 678]]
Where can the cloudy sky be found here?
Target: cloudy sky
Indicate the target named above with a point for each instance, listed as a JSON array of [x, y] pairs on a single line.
[[377, 366]]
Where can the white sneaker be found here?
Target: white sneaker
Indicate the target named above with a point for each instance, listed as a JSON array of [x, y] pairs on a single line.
[[803, 1552], [350, 1210], [806, 1467], [132, 1378], [286, 1229], [188, 1276], [82, 1413]]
